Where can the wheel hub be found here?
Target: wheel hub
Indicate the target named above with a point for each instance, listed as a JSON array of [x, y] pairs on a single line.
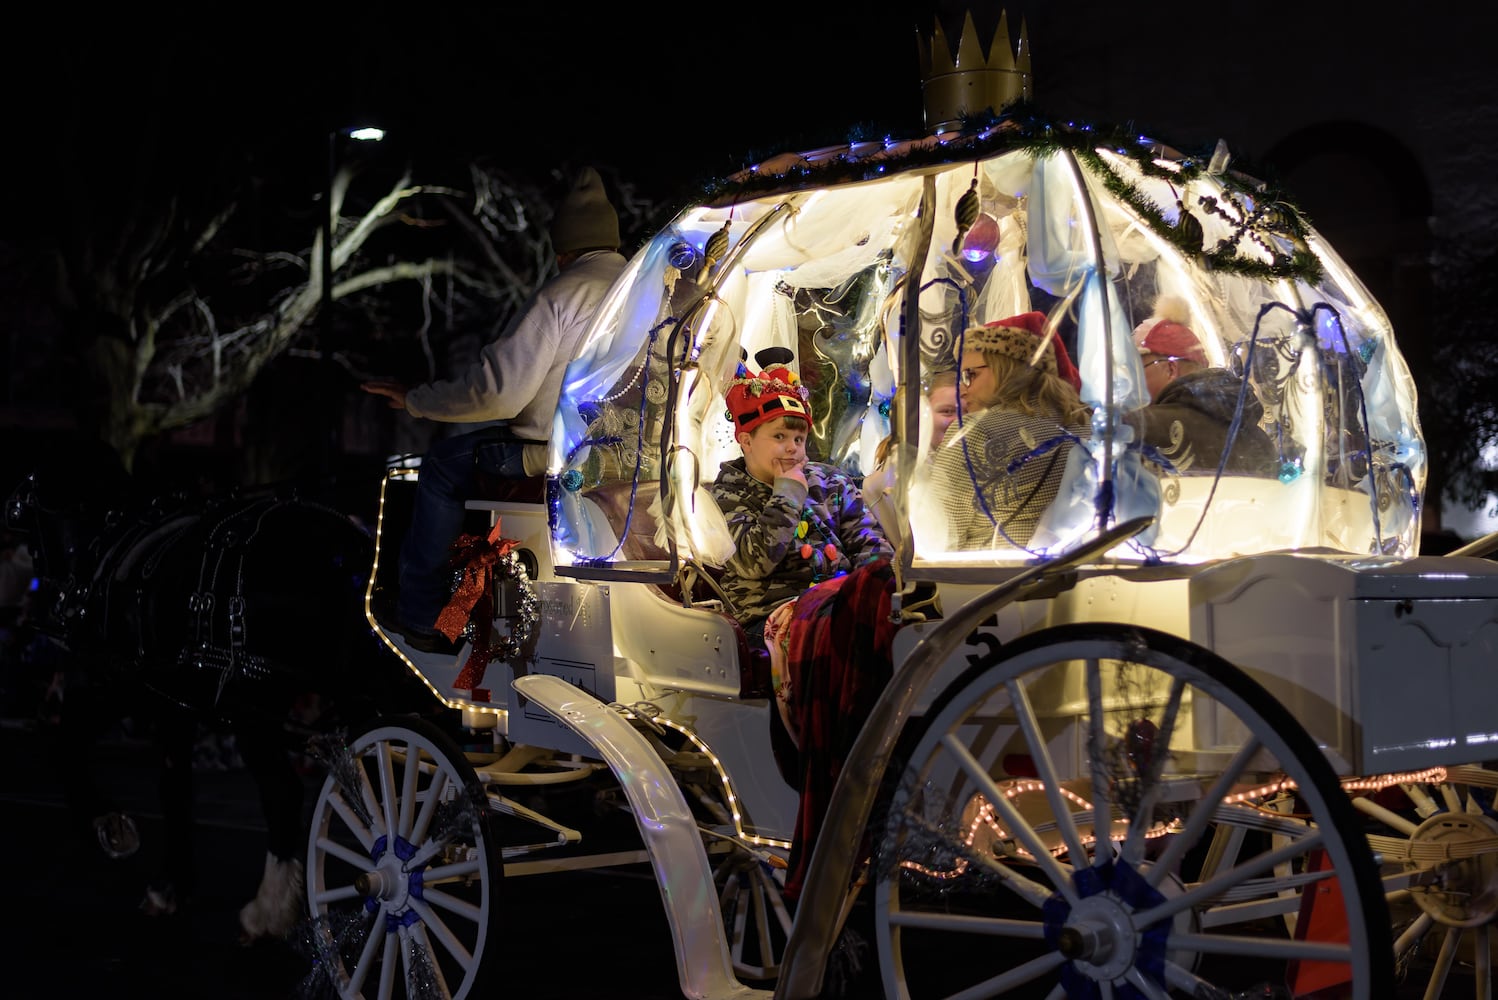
[[1099, 938], [389, 883], [1466, 892]]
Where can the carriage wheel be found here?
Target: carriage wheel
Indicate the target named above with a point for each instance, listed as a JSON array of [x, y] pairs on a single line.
[[751, 895], [403, 869], [1438, 839], [1217, 815], [749, 878]]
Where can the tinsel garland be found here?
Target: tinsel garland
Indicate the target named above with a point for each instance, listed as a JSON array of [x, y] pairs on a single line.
[[1023, 128]]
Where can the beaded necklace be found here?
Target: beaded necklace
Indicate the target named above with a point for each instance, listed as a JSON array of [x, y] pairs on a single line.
[[822, 558]]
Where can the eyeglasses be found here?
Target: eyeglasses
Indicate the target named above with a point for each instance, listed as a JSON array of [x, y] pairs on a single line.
[[967, 375], [1160, 361]]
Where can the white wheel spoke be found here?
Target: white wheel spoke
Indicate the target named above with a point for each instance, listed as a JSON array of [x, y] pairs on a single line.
[[452, 904], [349, 857], [434, 792], [436, 926], [1196, 826], [1016, 824], [1102, 807], [1443, 964], [1200, 894], [420, 935], [1413, 933], [1388, 817], [1144, 985], [410, 772], [366, 960], [453, 872], [1017, 976], [1149, 781], [965, 924], [1229, 944], [384, 758], [1046, 771], [365, 835]]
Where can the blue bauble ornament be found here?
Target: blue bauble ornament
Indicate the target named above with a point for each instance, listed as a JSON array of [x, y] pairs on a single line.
[[572, 480], [682, 255]]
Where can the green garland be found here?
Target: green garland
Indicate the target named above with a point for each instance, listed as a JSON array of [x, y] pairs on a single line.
[[1021, 128]]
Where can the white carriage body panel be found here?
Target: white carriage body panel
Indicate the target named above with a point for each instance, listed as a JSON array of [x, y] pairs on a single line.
[[573, 641], [1388, 664]]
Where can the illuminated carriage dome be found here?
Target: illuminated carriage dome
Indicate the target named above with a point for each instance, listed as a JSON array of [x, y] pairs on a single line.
[[869, 262]]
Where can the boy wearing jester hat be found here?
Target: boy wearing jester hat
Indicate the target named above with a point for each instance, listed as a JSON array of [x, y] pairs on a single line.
[[793, 522]]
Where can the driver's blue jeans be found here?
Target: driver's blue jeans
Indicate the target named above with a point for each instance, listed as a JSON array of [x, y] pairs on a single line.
[[445, 482]]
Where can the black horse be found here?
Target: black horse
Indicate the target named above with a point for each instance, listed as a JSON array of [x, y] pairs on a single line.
[[226, 610]]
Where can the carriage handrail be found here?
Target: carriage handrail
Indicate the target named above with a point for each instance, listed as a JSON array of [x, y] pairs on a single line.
[[837, 847], [1478, 547]]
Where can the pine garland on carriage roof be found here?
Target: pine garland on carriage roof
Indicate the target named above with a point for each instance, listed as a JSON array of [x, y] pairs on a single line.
[[1250, 206]]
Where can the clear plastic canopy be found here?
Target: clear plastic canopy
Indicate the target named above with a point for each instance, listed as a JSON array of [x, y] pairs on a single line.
[[869, 263]]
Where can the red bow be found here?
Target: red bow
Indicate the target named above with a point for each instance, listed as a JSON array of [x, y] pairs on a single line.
[[474, 556]]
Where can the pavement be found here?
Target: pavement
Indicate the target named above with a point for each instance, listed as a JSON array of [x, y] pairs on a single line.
[[73, 926]]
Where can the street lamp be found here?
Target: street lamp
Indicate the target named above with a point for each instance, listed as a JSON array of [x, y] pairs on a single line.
[[329, 222]]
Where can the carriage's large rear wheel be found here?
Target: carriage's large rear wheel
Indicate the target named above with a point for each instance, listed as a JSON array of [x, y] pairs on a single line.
[[402, 869], [1217, 815]]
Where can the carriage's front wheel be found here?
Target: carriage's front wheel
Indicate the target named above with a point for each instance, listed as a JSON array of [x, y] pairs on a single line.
[[402, 870], [1109, 811]]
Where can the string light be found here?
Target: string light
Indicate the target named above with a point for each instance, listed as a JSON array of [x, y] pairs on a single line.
[[986, 817]]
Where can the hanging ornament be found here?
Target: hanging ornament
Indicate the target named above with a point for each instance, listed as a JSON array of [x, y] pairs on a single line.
[[1190, 228], [967, 214], [682, 255], [713, 251]]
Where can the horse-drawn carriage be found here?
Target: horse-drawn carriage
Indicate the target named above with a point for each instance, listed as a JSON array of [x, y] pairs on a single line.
[[1207, 733]]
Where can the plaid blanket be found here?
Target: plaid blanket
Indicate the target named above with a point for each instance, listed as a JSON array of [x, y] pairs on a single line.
[[839, 659]]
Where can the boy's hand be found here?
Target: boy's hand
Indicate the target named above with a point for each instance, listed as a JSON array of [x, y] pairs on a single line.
[[791, 469]]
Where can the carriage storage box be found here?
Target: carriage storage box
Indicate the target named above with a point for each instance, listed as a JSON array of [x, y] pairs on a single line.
[[1393, 665]]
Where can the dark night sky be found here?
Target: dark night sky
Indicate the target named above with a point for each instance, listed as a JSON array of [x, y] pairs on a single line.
[[673, 92]]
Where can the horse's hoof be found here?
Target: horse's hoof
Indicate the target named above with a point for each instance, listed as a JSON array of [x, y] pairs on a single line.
[[277, 906], [118, 837]]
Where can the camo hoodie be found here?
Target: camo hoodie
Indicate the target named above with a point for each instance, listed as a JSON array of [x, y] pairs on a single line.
[[768, 566]]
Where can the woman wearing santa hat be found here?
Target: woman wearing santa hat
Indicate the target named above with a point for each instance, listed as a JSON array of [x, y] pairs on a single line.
[[1001, 463]]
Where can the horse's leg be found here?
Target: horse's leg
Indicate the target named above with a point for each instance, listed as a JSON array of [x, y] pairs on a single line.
[[177, 870], [80, 718], [277, 906]]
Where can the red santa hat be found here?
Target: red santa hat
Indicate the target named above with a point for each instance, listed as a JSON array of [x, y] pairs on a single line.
[[1016, 337]]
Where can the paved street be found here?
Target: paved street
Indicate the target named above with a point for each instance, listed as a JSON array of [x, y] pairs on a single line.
[[72, 927]]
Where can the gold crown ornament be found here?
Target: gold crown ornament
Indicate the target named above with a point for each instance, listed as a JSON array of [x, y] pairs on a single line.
[[971, 84]]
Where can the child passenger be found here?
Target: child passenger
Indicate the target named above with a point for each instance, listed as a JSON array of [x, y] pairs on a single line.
[[1000, 465], [794, 523], [810, 557]]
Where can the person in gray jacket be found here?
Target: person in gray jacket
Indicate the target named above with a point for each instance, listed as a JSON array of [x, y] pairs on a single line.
[[517, 379]]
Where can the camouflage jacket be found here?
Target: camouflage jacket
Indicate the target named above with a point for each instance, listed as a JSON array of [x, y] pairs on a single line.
[[774, 557]]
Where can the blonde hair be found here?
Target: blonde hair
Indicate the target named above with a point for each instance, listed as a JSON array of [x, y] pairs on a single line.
[[1032, 391]]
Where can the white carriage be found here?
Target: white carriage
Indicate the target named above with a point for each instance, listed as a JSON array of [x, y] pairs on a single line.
[[1267, 708]]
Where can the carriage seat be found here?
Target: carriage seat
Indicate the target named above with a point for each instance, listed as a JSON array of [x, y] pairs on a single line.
[[637, 525], [506, 489]]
